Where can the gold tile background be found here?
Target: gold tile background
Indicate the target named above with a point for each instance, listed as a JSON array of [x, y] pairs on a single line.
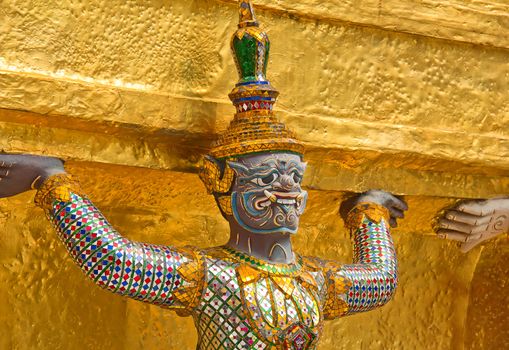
[[406, 96]]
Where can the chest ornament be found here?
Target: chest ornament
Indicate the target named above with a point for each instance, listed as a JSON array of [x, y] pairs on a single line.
[[283, 308]]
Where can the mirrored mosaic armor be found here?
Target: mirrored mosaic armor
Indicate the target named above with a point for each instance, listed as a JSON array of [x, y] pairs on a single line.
[[236, 300]]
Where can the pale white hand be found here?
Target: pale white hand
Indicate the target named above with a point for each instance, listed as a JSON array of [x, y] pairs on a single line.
[[475, 221]]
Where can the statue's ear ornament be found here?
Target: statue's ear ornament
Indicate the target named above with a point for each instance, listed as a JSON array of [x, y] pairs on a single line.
[[225, 203], [217, 179]]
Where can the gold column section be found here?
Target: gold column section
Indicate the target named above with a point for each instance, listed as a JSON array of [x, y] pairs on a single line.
[[406, 96]]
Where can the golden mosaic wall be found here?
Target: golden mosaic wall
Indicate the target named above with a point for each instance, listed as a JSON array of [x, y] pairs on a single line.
[[409, 96]]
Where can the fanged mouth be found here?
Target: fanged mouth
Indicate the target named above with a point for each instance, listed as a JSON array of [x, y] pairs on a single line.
[[284, 198]]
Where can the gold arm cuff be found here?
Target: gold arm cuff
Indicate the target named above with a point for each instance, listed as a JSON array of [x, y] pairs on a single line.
[[374, 212], [56, 187], [335, 306], [193, 280]]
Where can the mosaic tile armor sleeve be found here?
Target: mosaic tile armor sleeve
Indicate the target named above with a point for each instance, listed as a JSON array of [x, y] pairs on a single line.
[[156, 274], [237, 301], [371, 280]]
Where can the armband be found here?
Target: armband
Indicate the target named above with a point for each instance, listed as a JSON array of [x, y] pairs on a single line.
[[374, 212], [56, 187]]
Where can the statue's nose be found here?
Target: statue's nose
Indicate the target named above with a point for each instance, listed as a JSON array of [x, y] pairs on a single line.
[[285, 183]]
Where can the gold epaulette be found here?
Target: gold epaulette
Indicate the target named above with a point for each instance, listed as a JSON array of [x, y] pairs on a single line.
[[192, 282]]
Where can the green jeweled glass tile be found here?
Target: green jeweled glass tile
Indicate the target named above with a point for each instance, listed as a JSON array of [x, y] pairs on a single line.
[[245, 50], [266, 60]]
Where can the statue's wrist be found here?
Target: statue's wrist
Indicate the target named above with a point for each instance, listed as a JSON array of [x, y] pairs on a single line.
[[45, 175], [57, 186], [503, 203], [373, 211]]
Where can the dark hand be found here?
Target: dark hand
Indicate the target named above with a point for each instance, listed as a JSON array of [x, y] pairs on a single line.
[[475, 221], [395, 205], [18, 172]]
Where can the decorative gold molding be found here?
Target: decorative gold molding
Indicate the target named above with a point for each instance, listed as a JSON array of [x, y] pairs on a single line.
[[479, 22]]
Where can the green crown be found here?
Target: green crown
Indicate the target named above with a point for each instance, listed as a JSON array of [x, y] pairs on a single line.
[[250, 46]]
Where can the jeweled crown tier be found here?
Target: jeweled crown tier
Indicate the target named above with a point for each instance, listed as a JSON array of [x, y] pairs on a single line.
[[254, 128]]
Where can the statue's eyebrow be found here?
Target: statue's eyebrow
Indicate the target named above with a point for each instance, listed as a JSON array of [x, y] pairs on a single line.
[[297, 165], [282, 165], [269, 163], [259, 167]]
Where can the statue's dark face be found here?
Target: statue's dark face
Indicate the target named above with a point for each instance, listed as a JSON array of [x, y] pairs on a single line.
[[267, 196]]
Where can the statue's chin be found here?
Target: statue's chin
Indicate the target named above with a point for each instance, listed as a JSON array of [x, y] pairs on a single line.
[[288, 230], [262, 231], [272, 219]]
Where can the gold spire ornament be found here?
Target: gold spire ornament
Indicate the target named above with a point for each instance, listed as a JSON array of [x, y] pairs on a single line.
[[246, 14], [254, 128]]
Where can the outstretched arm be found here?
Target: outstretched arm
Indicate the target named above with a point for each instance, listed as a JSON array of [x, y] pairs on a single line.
[[371, 280], [157, 274]]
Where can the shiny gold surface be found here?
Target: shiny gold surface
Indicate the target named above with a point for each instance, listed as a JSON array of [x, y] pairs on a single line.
[[353, 168], [489, 297], [477, 22], [407, 96]]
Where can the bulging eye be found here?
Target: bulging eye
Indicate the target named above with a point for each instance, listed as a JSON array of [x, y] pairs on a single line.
[[266, 180], [296, 177]]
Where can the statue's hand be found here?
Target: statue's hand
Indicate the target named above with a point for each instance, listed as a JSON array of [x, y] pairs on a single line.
[[395, 205], [475, 221], [18, 172]]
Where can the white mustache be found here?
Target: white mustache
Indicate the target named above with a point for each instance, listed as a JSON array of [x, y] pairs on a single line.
[[285, 198]]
